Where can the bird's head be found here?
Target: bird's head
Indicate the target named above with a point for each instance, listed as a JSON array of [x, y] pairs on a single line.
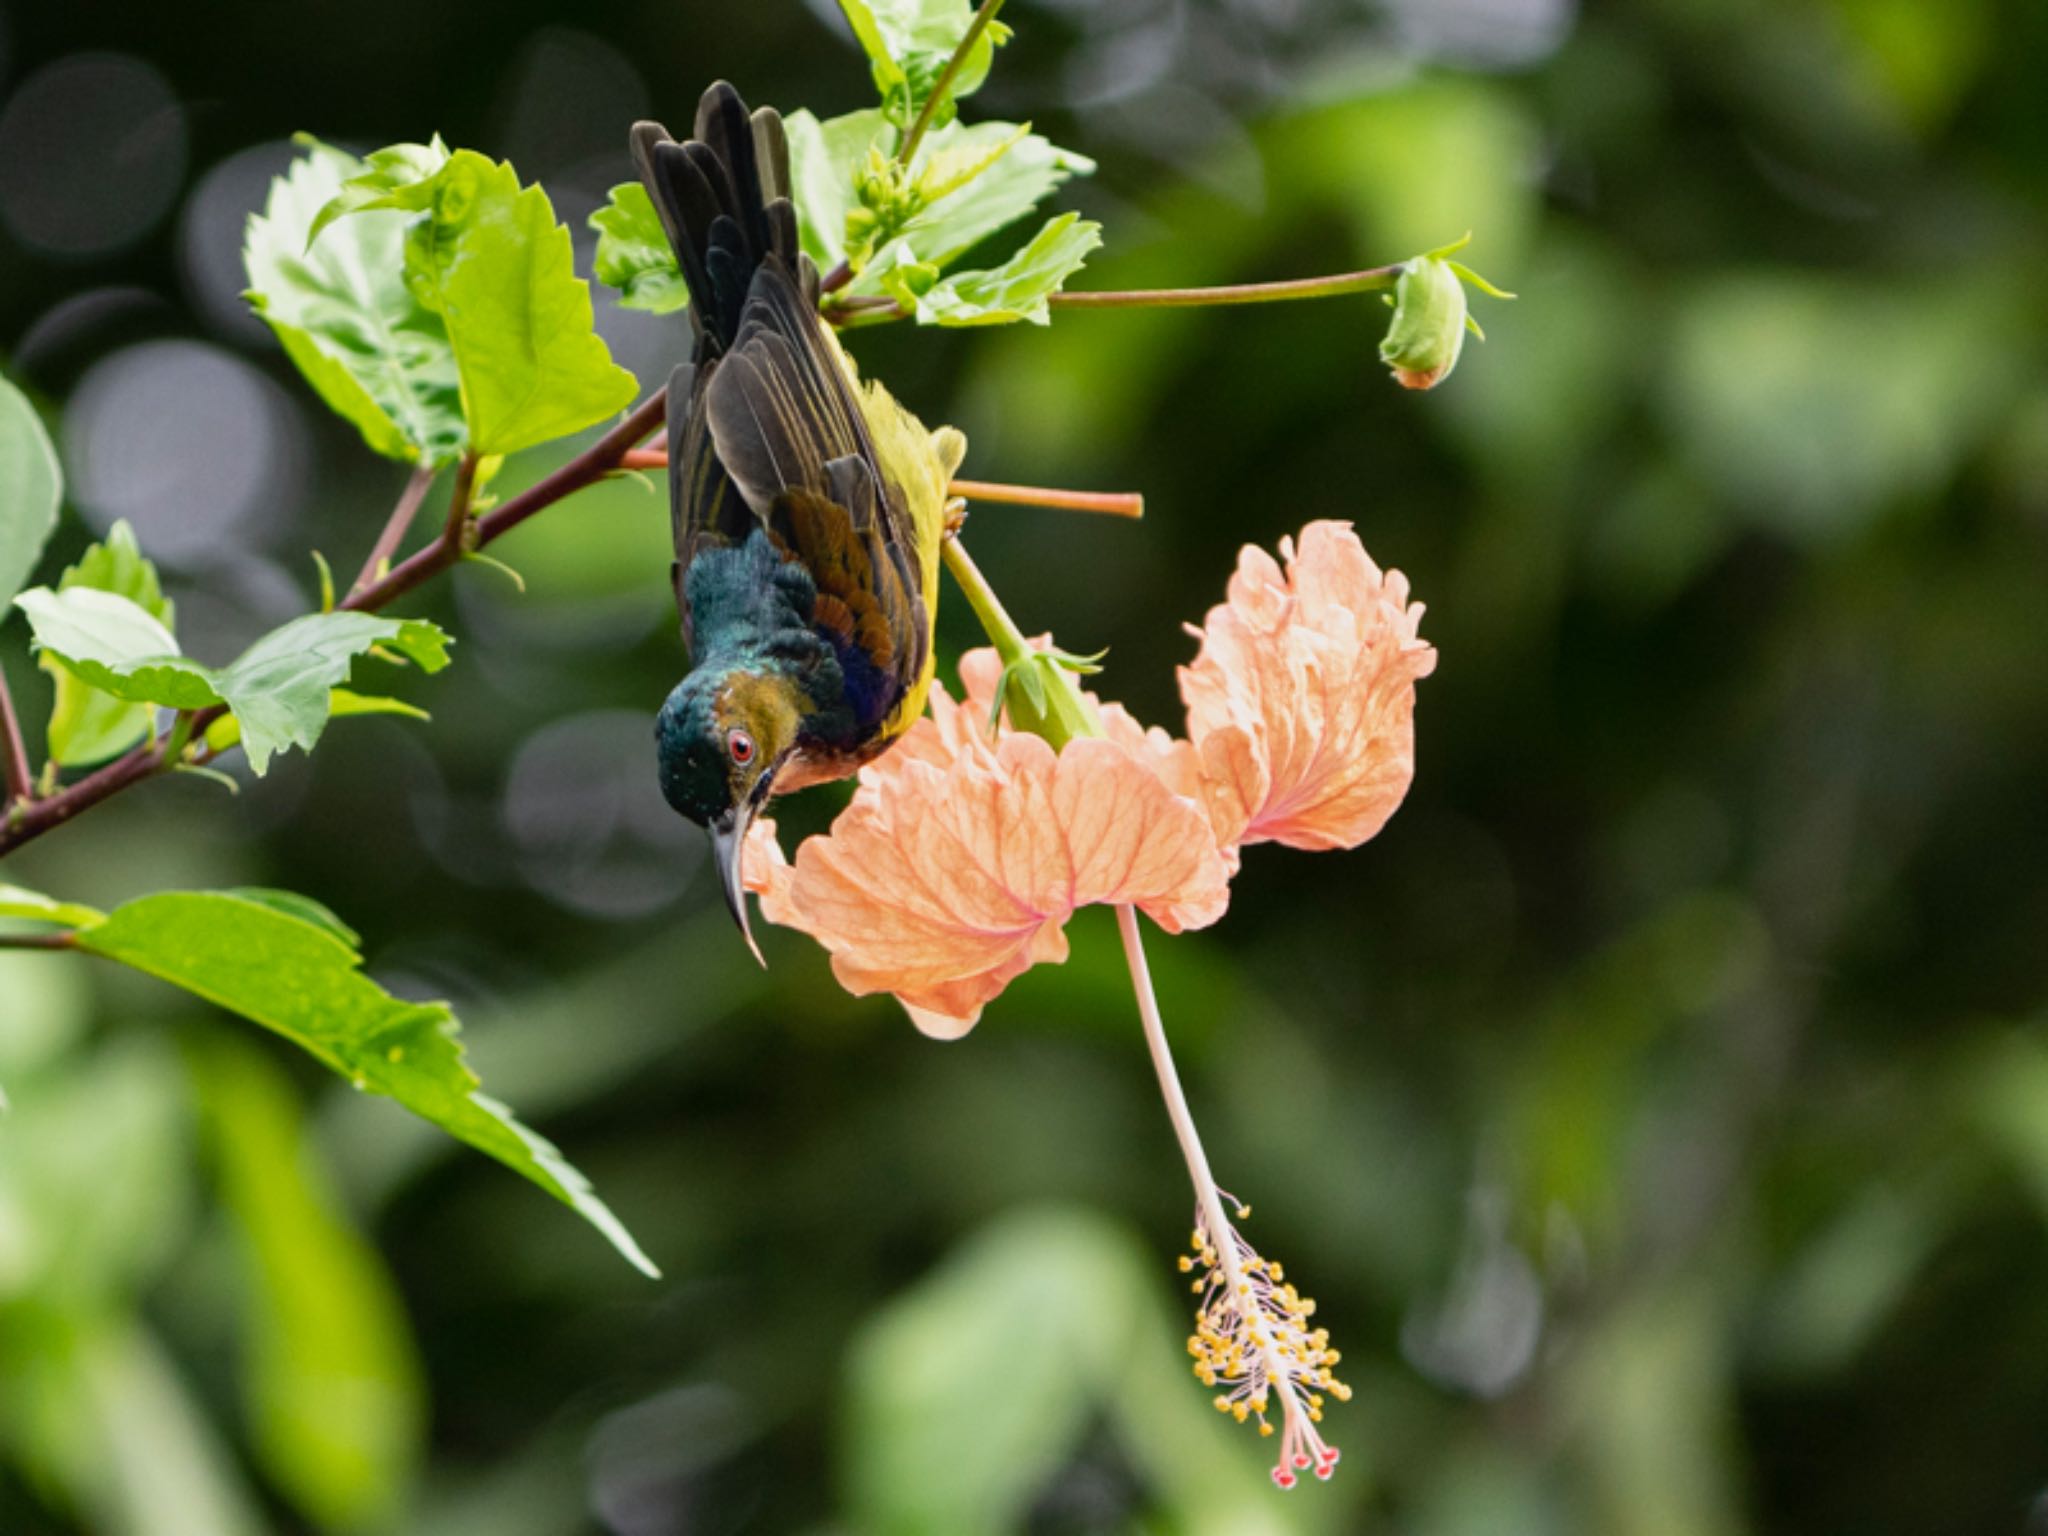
[[722, 736]]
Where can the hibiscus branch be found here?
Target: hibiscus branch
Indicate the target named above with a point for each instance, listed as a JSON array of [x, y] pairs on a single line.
[[943, 86], [1251, 1335], [1114, 503], [395, 528], [20, 780], [462, 535], [874, 309]]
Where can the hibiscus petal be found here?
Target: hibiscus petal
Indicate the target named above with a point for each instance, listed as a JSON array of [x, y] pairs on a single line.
[[943, 880], [1301, 701]]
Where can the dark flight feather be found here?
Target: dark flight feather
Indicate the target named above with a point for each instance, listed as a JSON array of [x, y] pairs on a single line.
[[765, 429]]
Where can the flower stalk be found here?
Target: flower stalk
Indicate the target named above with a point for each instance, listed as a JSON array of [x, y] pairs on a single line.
[[1252, 1338], [1251, 1328]]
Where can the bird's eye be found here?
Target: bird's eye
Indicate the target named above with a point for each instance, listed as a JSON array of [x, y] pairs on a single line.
[[741, 746]]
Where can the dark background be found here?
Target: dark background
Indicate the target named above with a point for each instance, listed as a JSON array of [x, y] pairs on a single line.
[[1658, 1108]]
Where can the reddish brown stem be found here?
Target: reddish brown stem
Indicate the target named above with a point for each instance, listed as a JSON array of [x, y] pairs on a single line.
[[385, 550], [1113, 503], [150, 759], [21, 784], [38, 941]]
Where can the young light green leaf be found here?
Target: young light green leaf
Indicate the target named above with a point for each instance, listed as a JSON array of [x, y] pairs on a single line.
[[492, 261], [330, 1380], [908, 44], [398, 176], [226, 732], [968, 182], [633, 253], [279, 689], [88, 726], [1018, 289], [35, 907], [822, 159], [342, 310], [299, 979], [31, 487]]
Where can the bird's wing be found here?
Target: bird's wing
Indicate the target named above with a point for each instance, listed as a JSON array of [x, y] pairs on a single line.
[[723, 199], [792, 442]]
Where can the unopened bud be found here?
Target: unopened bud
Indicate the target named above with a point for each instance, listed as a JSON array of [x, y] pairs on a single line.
[[1431, 318]]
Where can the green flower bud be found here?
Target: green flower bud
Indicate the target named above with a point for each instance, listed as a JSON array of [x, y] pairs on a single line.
[[1431, 318], [1422, 344]]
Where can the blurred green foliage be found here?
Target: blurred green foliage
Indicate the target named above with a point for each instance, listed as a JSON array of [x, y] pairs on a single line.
[[1658, 1108]]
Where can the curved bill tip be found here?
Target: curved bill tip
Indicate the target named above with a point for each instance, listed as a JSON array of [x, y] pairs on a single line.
[[728, 846]]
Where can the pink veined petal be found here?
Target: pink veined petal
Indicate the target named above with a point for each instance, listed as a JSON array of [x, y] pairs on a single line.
[[942, 882], [1301, 700]]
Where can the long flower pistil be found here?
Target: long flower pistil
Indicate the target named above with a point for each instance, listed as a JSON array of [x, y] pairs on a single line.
[[1252, 1338]]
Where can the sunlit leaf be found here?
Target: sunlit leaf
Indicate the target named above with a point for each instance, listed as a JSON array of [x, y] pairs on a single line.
[[298, 978], [88, 726], [1016, 290], [35, 907], [398, 176], [908, 43], [31, 486], [279, 689], [633, 253], [329, 1375], [492, 261], [341, 308], [226, 732]]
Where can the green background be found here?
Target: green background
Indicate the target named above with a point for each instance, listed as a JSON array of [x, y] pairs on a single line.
[[1658, 1108]]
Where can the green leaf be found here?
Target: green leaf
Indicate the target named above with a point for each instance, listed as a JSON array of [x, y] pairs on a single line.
[[330, 1378], [341, 308], [31, 487], [299, 979], [35, 907], [103, 1414], [491, 260], [88, 726], [969, 182], [1018, 289], [633, 253], [994, 196], [822, 159], [226, 732], [397, 176], [908, 43], [279, 689]]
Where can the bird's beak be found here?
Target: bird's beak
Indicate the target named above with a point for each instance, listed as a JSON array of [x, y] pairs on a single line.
[[729, 844]]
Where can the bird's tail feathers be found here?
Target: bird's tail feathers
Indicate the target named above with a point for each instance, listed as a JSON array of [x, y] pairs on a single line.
[[724, 198]]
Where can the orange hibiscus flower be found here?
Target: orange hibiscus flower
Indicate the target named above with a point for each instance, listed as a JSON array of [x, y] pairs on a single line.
[[964, 852]]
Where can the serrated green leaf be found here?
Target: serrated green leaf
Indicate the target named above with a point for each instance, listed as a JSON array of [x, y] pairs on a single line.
[[1004, 188], [330, 1379], [822, 158], [340, 306], [1018, 289], [279, 689], [342, 703], [398, 176], [35, 907], [986, 186], [299, 979], [633, 253], [908, 43], [31, 488], [492, 261], [88, 726]]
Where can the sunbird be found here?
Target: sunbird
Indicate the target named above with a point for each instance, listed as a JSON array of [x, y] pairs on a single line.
[[808, 508]]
